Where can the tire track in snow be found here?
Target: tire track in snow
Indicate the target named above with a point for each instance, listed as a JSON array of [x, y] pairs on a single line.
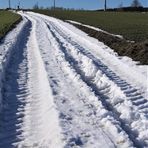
[[130, 92], [15, 93], [28, 102], [29, 105], [133, 132], [79, 123], [95, 109]]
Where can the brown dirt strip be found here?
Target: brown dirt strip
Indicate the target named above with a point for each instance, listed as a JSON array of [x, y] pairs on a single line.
[[138, 51]]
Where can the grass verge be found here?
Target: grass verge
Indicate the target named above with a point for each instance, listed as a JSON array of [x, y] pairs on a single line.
[[8, 21]]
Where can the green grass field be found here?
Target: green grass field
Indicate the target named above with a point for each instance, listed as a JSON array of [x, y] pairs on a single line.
[[133, 26], [7, 21]]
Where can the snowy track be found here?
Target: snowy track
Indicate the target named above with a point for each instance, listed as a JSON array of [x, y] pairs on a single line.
[[59, 92]]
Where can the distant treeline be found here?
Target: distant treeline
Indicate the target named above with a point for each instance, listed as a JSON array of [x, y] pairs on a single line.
[[127, 9]]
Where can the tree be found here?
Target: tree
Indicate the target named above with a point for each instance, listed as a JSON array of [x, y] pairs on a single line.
[[136, 3]]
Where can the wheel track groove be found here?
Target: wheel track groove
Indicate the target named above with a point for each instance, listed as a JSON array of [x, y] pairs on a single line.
[[121, 83], [128, 90], [27, 98]]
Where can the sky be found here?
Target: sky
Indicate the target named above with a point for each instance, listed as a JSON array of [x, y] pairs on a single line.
[[76, 4]]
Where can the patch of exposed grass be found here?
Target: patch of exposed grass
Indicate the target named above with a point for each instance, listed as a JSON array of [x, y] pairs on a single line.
[[8, 20]]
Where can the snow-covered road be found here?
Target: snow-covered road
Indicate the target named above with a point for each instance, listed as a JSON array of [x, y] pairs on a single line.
[[61, 88]]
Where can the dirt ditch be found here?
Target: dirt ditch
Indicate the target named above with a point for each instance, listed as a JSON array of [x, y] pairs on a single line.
[[138, 51]]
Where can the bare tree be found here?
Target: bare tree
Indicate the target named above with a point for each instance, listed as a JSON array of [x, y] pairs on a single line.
[[136, 3]]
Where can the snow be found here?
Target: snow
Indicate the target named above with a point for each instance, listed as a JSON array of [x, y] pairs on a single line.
[[94, 28], [7, 46], [69, 90], [36, 120], [42, 108], [127, 70]]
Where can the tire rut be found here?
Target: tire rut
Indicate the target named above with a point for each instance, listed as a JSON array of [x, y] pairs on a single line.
[[128, 91], [15, 93]]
